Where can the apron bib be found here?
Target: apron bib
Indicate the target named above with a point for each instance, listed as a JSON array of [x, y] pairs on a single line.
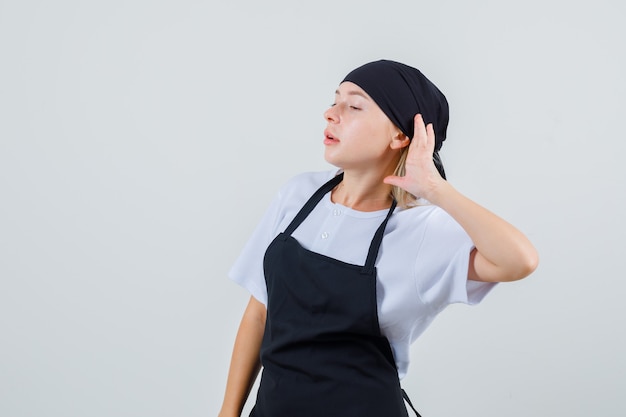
[[323, 354]]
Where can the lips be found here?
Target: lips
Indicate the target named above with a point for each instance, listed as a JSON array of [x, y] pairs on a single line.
[[329, 138]]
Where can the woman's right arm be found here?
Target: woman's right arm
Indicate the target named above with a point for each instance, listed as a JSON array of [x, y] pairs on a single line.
[[245, 362]]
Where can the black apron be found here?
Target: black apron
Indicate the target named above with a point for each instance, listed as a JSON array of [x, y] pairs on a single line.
[[322, 353]]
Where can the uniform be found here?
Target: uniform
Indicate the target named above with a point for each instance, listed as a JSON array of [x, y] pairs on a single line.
[[343, 309]]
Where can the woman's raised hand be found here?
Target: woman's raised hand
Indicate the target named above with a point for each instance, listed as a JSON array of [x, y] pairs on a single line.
[[502, 252], [421, 177]]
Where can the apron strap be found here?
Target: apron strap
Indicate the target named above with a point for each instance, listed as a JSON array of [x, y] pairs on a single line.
[[308, 207], [312, 202], [368, 268], [406, 398]]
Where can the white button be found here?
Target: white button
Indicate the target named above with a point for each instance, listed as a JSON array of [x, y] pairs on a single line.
[[324, 235], [336, 212]]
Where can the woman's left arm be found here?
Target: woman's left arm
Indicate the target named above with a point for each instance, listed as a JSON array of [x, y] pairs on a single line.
[[502, 252]]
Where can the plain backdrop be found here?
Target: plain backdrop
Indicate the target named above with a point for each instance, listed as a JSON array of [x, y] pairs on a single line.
[[141, 141]]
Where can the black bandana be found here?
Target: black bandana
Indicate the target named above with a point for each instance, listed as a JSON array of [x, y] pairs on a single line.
[[402, 92]]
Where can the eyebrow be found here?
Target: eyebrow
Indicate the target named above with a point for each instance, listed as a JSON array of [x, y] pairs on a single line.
[[353, 93]]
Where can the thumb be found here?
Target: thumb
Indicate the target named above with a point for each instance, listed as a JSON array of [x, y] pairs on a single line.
[[394, 180]]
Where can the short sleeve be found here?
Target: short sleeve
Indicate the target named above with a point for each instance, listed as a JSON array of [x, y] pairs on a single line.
[[442, 265], [247, 270]]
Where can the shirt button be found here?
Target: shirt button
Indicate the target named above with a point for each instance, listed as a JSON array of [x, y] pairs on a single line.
[[325, 235], [336, 212]]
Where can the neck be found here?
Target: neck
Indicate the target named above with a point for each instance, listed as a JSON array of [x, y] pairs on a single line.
[[363, 191]]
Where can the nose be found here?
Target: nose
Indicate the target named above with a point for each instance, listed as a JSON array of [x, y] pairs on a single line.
[[330, 115]]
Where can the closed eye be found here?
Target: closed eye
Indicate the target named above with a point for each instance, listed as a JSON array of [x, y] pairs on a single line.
[[352, 107]]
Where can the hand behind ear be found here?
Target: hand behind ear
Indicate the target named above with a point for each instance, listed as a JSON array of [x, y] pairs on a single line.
[[421, 176]]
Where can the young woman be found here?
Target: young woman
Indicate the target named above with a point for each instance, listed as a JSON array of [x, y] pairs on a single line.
[[348, 267]]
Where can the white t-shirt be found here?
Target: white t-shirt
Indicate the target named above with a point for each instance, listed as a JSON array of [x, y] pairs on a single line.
[[421, 267]]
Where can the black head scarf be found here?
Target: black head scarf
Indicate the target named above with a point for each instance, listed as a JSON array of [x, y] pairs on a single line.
[[401, 92]]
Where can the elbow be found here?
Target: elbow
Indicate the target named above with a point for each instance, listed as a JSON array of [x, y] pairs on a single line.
[[518, 265], [534, 262], [528, 263], [531, 261]]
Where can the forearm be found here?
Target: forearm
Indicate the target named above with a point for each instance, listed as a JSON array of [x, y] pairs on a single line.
[[503, 253], [245, 363]]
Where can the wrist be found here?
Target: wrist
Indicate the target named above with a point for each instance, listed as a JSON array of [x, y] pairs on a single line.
[[439, 192]]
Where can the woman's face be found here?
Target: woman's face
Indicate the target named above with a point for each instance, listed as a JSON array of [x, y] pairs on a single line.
[[358, 133]]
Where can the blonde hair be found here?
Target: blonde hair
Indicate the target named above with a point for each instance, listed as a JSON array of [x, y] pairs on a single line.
[[405, 199]]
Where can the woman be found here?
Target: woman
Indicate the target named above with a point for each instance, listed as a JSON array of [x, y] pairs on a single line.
[[348, 267]]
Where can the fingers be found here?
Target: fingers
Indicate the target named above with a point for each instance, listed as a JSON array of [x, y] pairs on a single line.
[[424, 135], [419, 128]]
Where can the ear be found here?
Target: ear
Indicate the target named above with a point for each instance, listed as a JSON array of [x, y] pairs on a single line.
[[399, 140]]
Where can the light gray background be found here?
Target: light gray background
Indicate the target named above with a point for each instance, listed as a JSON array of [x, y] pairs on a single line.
[[141, 141]]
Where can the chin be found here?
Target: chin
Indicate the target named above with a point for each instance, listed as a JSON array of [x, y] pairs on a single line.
[[329, 158], [333, 161]]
